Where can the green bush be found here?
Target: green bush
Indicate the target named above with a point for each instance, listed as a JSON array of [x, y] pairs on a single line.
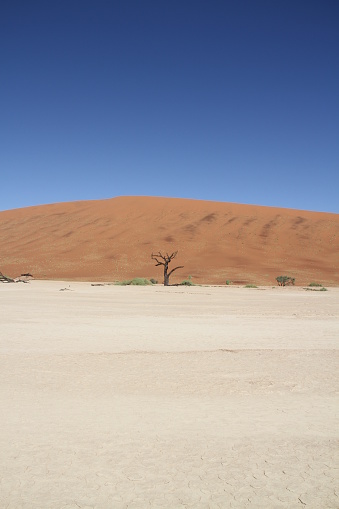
[[323, 289], [228, 282], [137, 281], [251, 286], [186, 282], [153, 281], [285, 280], [315, 284]]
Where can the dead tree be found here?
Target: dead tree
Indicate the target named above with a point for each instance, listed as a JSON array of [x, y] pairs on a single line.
[[165, 259], [5, 279]]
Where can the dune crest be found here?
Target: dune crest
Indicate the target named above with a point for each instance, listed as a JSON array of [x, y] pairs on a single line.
[[113, 239]]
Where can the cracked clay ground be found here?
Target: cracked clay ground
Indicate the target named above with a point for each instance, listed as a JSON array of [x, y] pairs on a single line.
[[133, 398]]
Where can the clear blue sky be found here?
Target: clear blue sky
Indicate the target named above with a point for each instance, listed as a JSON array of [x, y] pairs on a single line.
[[218, 100]]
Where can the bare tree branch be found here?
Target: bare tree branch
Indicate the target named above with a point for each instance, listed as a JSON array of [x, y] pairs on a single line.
[[155, 257], [173, 255], [165, 257], [158, 263], [180, 267]]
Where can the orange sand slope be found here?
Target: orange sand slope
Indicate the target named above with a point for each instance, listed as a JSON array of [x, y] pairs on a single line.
[[113, 240]]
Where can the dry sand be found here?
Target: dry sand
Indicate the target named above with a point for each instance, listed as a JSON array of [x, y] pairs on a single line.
[[113, 240], [152, 397]]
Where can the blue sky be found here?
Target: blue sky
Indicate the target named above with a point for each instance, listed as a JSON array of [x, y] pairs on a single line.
[[233, 101]]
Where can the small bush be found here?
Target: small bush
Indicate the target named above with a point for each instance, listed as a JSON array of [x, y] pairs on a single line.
[[285, 280], [315, 284], [251, 286], [153, 281], [228, 282], [186, 282], [137, 281], [323, 289], [140, 281]]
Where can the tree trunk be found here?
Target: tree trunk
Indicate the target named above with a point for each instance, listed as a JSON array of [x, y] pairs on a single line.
[[166, 276]]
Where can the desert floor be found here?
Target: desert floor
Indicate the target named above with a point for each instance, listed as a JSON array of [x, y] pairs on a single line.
[[180, 397]]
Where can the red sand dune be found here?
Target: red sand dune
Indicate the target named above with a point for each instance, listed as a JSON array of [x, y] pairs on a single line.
[[113, 239]]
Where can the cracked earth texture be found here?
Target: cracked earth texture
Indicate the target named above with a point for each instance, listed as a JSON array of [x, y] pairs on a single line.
[[123, 398]]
